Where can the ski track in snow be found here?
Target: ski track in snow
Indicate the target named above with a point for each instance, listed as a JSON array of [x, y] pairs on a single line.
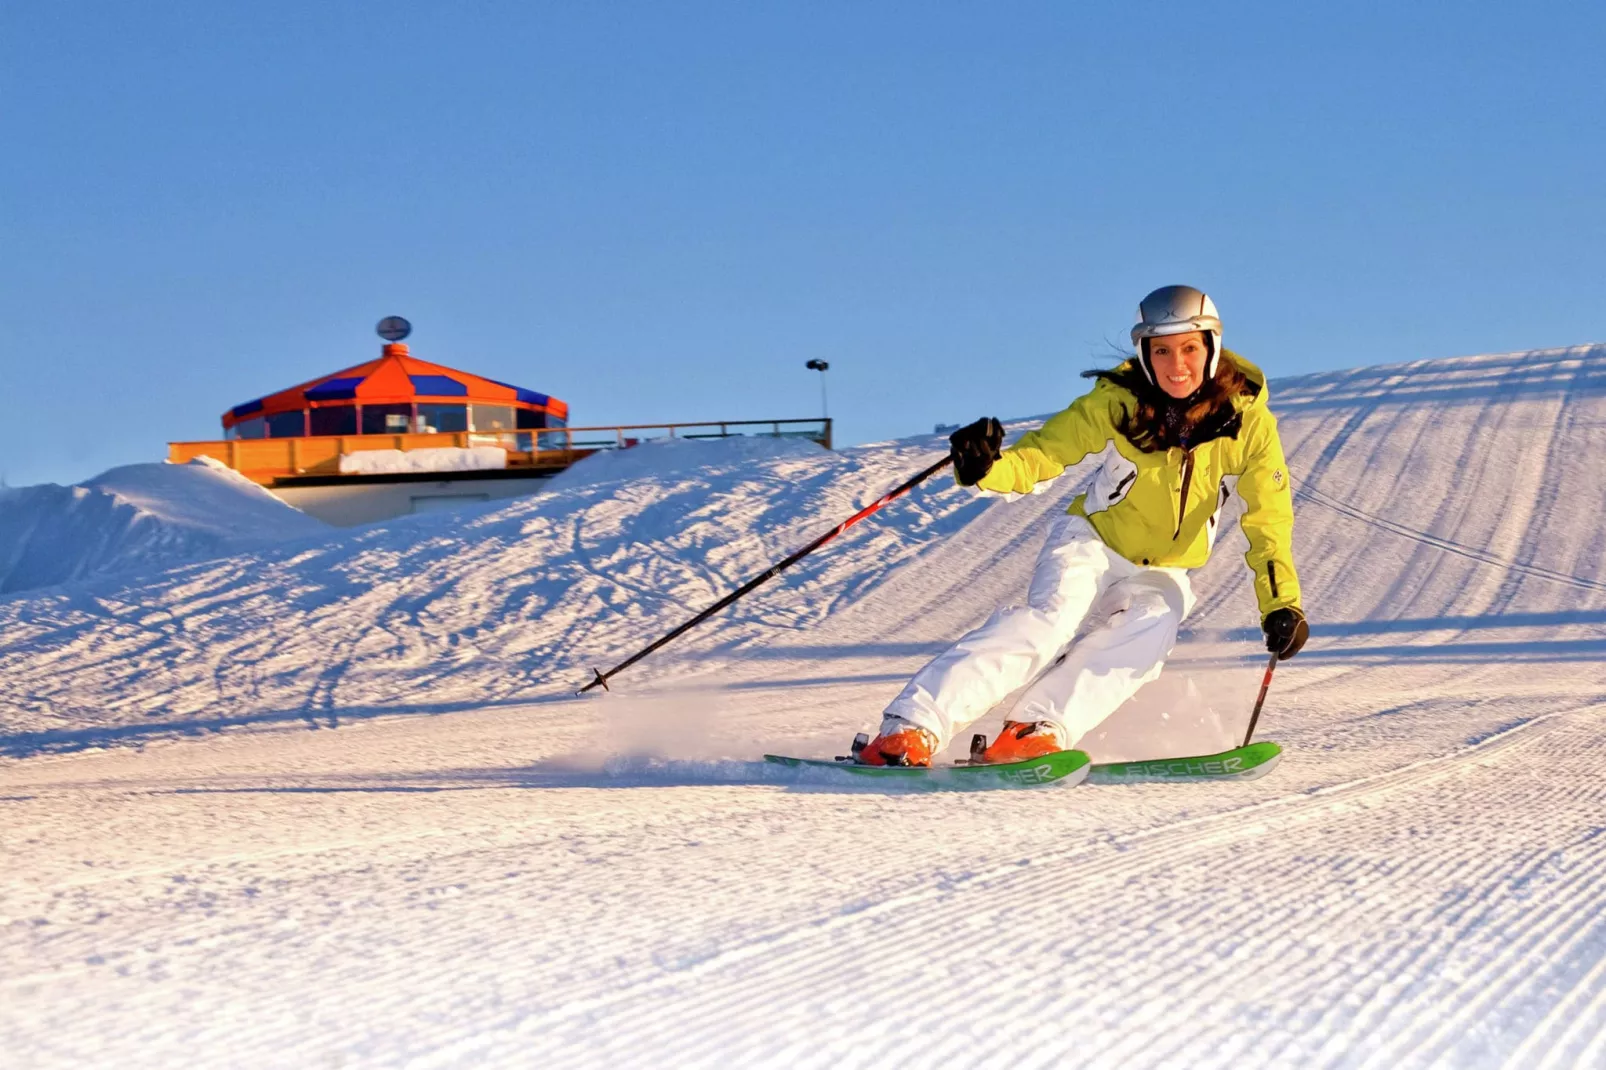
[[476, 868]]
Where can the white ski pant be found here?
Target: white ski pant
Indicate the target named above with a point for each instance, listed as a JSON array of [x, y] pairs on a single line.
[[1138, 612]]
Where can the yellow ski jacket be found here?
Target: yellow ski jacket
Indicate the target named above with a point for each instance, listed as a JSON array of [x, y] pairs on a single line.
[[1162, 508]]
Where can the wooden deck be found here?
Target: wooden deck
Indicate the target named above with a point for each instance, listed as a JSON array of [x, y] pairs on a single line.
[[268, 461]]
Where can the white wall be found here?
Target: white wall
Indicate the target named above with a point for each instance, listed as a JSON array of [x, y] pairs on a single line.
[[364, 503]]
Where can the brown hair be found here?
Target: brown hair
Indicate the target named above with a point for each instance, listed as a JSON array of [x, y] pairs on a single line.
[[1160, 422]]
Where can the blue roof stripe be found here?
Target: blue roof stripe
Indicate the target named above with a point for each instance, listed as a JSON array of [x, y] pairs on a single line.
[[438, 386], [335, 389], [529, 397], [247, 409]]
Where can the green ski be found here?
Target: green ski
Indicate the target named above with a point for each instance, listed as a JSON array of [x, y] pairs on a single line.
[[1241, 763], [1062, 767], [1066, 767]]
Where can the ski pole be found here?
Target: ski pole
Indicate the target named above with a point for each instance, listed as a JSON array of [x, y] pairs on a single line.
[[899, 491], [1265, 685]]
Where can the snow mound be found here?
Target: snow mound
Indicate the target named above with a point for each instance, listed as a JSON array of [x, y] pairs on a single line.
[[680, 456], [137, 516]]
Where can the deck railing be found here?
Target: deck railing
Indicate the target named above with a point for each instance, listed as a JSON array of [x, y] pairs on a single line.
[[622, 436], [270, 460]]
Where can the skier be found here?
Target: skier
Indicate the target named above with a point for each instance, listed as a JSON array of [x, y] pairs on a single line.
[[1174, 430]]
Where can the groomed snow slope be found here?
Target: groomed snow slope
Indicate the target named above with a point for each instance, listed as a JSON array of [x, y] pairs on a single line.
[[1420, 883]]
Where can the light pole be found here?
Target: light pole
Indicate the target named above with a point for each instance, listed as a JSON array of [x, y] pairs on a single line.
[[822, 367]]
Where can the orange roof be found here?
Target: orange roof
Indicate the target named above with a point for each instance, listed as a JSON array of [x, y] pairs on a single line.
[[395, 378]]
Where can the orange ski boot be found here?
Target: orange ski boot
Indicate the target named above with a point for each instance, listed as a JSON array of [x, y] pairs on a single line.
[[1023, 740], [902, 745]]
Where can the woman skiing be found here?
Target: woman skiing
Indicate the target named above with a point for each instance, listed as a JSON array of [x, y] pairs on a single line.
[[1175, 431]]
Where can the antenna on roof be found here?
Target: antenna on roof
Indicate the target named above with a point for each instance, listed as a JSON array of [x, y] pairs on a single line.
[[393, 328]]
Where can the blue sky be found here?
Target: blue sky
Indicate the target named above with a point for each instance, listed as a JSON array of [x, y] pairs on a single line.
[[661, 211]]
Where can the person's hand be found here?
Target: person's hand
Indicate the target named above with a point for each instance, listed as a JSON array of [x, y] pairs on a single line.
[[1286, 632], [975, 447]]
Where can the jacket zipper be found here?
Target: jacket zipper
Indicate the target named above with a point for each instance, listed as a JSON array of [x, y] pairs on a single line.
[[1271, 577], [1119, 487], [1182, 496]]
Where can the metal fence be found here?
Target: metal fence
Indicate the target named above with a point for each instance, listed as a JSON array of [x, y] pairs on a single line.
[[623, 436]]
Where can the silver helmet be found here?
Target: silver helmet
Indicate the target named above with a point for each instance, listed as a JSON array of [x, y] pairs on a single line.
[[1177, 310]]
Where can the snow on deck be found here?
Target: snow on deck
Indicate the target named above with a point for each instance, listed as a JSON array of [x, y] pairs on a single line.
[[476, 868]]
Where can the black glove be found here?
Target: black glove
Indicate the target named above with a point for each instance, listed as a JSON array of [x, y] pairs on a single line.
[[1286, 632], [975, 448]]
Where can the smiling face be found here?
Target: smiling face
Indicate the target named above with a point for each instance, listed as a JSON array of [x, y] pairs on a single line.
[[1179, 362]]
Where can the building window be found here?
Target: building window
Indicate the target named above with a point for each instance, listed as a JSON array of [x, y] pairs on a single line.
[[529, 419], [252, 428], [491, 417], [335, 420], [287, 424], [386, 419], [442, 418]]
